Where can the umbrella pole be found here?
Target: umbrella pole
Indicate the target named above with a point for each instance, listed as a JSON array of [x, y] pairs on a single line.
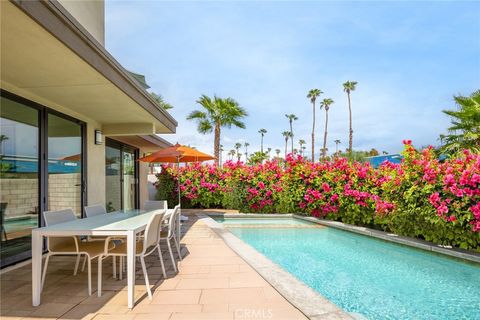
[[178, 182], [179, 228]]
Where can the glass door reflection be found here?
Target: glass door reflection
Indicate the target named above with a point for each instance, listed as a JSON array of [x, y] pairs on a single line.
[[19, 178], [113, 188], [121, 176], [64, 164], [129, 183]]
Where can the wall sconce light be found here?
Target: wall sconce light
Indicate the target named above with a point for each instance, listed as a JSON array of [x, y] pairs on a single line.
[[98, 137]]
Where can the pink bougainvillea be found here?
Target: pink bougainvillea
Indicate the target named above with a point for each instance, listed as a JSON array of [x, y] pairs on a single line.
[[421, 196]]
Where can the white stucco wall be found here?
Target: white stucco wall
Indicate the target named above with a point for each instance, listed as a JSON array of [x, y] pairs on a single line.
[[90, 13]]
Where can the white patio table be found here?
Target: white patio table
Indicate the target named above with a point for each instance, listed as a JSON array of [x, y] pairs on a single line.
[[120, 223]]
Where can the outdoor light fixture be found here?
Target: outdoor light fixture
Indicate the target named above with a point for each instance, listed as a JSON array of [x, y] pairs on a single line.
[[98, 137]]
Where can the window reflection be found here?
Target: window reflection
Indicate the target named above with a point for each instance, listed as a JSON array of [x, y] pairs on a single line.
[[18, 178], [64, 164]]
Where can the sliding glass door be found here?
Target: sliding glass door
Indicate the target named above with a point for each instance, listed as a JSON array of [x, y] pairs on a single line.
[[19, 178], [41, 168], [121, 176]]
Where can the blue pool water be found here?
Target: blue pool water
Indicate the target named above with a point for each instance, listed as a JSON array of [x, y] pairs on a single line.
[[374, 278]]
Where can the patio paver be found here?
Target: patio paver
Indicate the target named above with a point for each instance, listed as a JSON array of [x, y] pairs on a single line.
[[213, 282]]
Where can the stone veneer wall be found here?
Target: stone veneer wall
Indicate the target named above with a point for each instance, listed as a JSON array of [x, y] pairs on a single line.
[[112, 185], [22, 194], [64, 192]]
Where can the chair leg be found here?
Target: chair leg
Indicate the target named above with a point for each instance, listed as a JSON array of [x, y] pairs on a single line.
[[77, 262], [177, 247], [114, 260], [120, 267], [83, 266], [161, 262], [89, 269], [44, 274], [99, 280], [147, 283], [171, 255]]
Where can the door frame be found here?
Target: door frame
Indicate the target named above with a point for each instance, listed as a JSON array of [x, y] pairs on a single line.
[[42, 157], [121, 146]]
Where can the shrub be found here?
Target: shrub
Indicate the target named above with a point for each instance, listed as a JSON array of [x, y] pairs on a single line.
[[420, 197]]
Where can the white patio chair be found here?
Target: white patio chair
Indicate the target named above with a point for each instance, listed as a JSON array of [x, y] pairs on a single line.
[[95, 210], [70, 245], [155, 205], [170, 233], [144, 247]]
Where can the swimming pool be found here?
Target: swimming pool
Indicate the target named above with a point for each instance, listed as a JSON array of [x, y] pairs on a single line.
[[377, 279]]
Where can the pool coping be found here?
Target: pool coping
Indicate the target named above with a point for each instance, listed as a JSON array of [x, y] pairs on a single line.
[[390, 237], [308, 301]]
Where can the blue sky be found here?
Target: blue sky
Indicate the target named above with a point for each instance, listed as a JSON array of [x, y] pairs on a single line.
[[409, 59]]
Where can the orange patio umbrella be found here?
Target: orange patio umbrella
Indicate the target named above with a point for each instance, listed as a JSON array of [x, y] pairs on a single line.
[[177, 154]]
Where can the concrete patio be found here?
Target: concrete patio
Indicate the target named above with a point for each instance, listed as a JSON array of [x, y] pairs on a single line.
[[213, 283]]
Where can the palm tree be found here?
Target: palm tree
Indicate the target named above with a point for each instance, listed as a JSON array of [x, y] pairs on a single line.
[[325, 104], [313, 94], [464, 132], [337, 142], [231, 153], [291, 117], [301, 142], [287, 135], [237, 147], [246, 144], [221, 154], [159, 99], [262, 133], [324, 152], [268, 152], [218, 113], [277, 151], [348, 87]]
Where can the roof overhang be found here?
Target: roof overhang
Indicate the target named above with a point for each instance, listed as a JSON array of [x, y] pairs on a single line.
[[48, 54], [150, 143]]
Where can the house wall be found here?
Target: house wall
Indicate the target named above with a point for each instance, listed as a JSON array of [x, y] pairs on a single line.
[[90, 14]]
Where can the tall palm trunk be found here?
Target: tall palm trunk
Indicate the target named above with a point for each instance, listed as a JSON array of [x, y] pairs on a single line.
[[217, 143], [325, 134], [291, 131], [286, 144], [313, 134], [261, 144], [350, 137]]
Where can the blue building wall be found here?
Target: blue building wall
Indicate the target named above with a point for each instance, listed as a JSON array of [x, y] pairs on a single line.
[[378, 160]]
